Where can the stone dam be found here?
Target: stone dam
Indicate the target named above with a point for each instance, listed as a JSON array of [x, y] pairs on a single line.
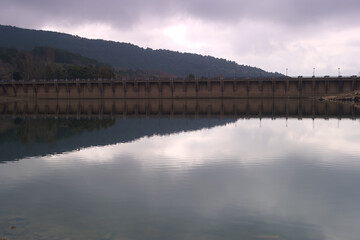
[[307, 87]]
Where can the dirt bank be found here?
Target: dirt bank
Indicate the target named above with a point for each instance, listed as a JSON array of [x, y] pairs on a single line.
[[352, 98]]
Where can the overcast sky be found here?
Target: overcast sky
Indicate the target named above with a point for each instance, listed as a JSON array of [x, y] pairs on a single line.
[[271, 34]]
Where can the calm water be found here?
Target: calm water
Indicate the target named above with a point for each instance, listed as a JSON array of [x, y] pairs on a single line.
[[159, 178]]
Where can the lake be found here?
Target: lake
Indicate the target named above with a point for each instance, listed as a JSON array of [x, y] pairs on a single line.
[[180, 176]]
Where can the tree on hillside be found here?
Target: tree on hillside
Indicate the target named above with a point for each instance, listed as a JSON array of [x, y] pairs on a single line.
[[24, 62]]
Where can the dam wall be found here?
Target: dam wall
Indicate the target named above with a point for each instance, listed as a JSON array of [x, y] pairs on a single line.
[[180, 88]]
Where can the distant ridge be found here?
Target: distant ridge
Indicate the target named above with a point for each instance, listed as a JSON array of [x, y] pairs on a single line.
[[128, 56]]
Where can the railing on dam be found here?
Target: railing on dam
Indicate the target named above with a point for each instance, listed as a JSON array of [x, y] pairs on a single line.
[[193, 108], [301, 87]]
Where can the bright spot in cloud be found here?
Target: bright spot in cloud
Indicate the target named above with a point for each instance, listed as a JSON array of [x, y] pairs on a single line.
[[177, 34]]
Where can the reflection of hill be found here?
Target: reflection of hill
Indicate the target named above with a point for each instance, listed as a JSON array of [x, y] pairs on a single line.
[[21, 138], [28, 131]]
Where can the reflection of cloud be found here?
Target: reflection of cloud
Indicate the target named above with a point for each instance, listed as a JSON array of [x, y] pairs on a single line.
[[248, 142], [243, 141], [323, 137]]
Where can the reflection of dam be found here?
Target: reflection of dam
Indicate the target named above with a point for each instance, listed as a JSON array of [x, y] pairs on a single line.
[[180, 88], [223, 108]]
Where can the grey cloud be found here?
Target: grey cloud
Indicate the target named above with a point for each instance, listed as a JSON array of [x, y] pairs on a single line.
[[124, 14]]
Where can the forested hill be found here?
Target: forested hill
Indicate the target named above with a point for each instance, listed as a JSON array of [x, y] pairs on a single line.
[[128, 56], [49, 63]]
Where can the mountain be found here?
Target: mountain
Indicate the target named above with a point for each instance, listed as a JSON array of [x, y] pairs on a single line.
[[128, 56]]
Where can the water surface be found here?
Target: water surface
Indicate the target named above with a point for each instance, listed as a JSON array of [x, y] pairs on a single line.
[[162, 178]]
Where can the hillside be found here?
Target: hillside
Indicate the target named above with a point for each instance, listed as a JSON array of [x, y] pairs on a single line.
[[49, 63], [128, 56]]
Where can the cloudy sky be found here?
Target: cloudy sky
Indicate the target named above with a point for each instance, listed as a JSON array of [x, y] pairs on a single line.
[[271, 34]]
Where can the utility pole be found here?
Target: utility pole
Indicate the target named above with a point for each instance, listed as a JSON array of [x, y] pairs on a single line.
[[313, 72], [287, 71]]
